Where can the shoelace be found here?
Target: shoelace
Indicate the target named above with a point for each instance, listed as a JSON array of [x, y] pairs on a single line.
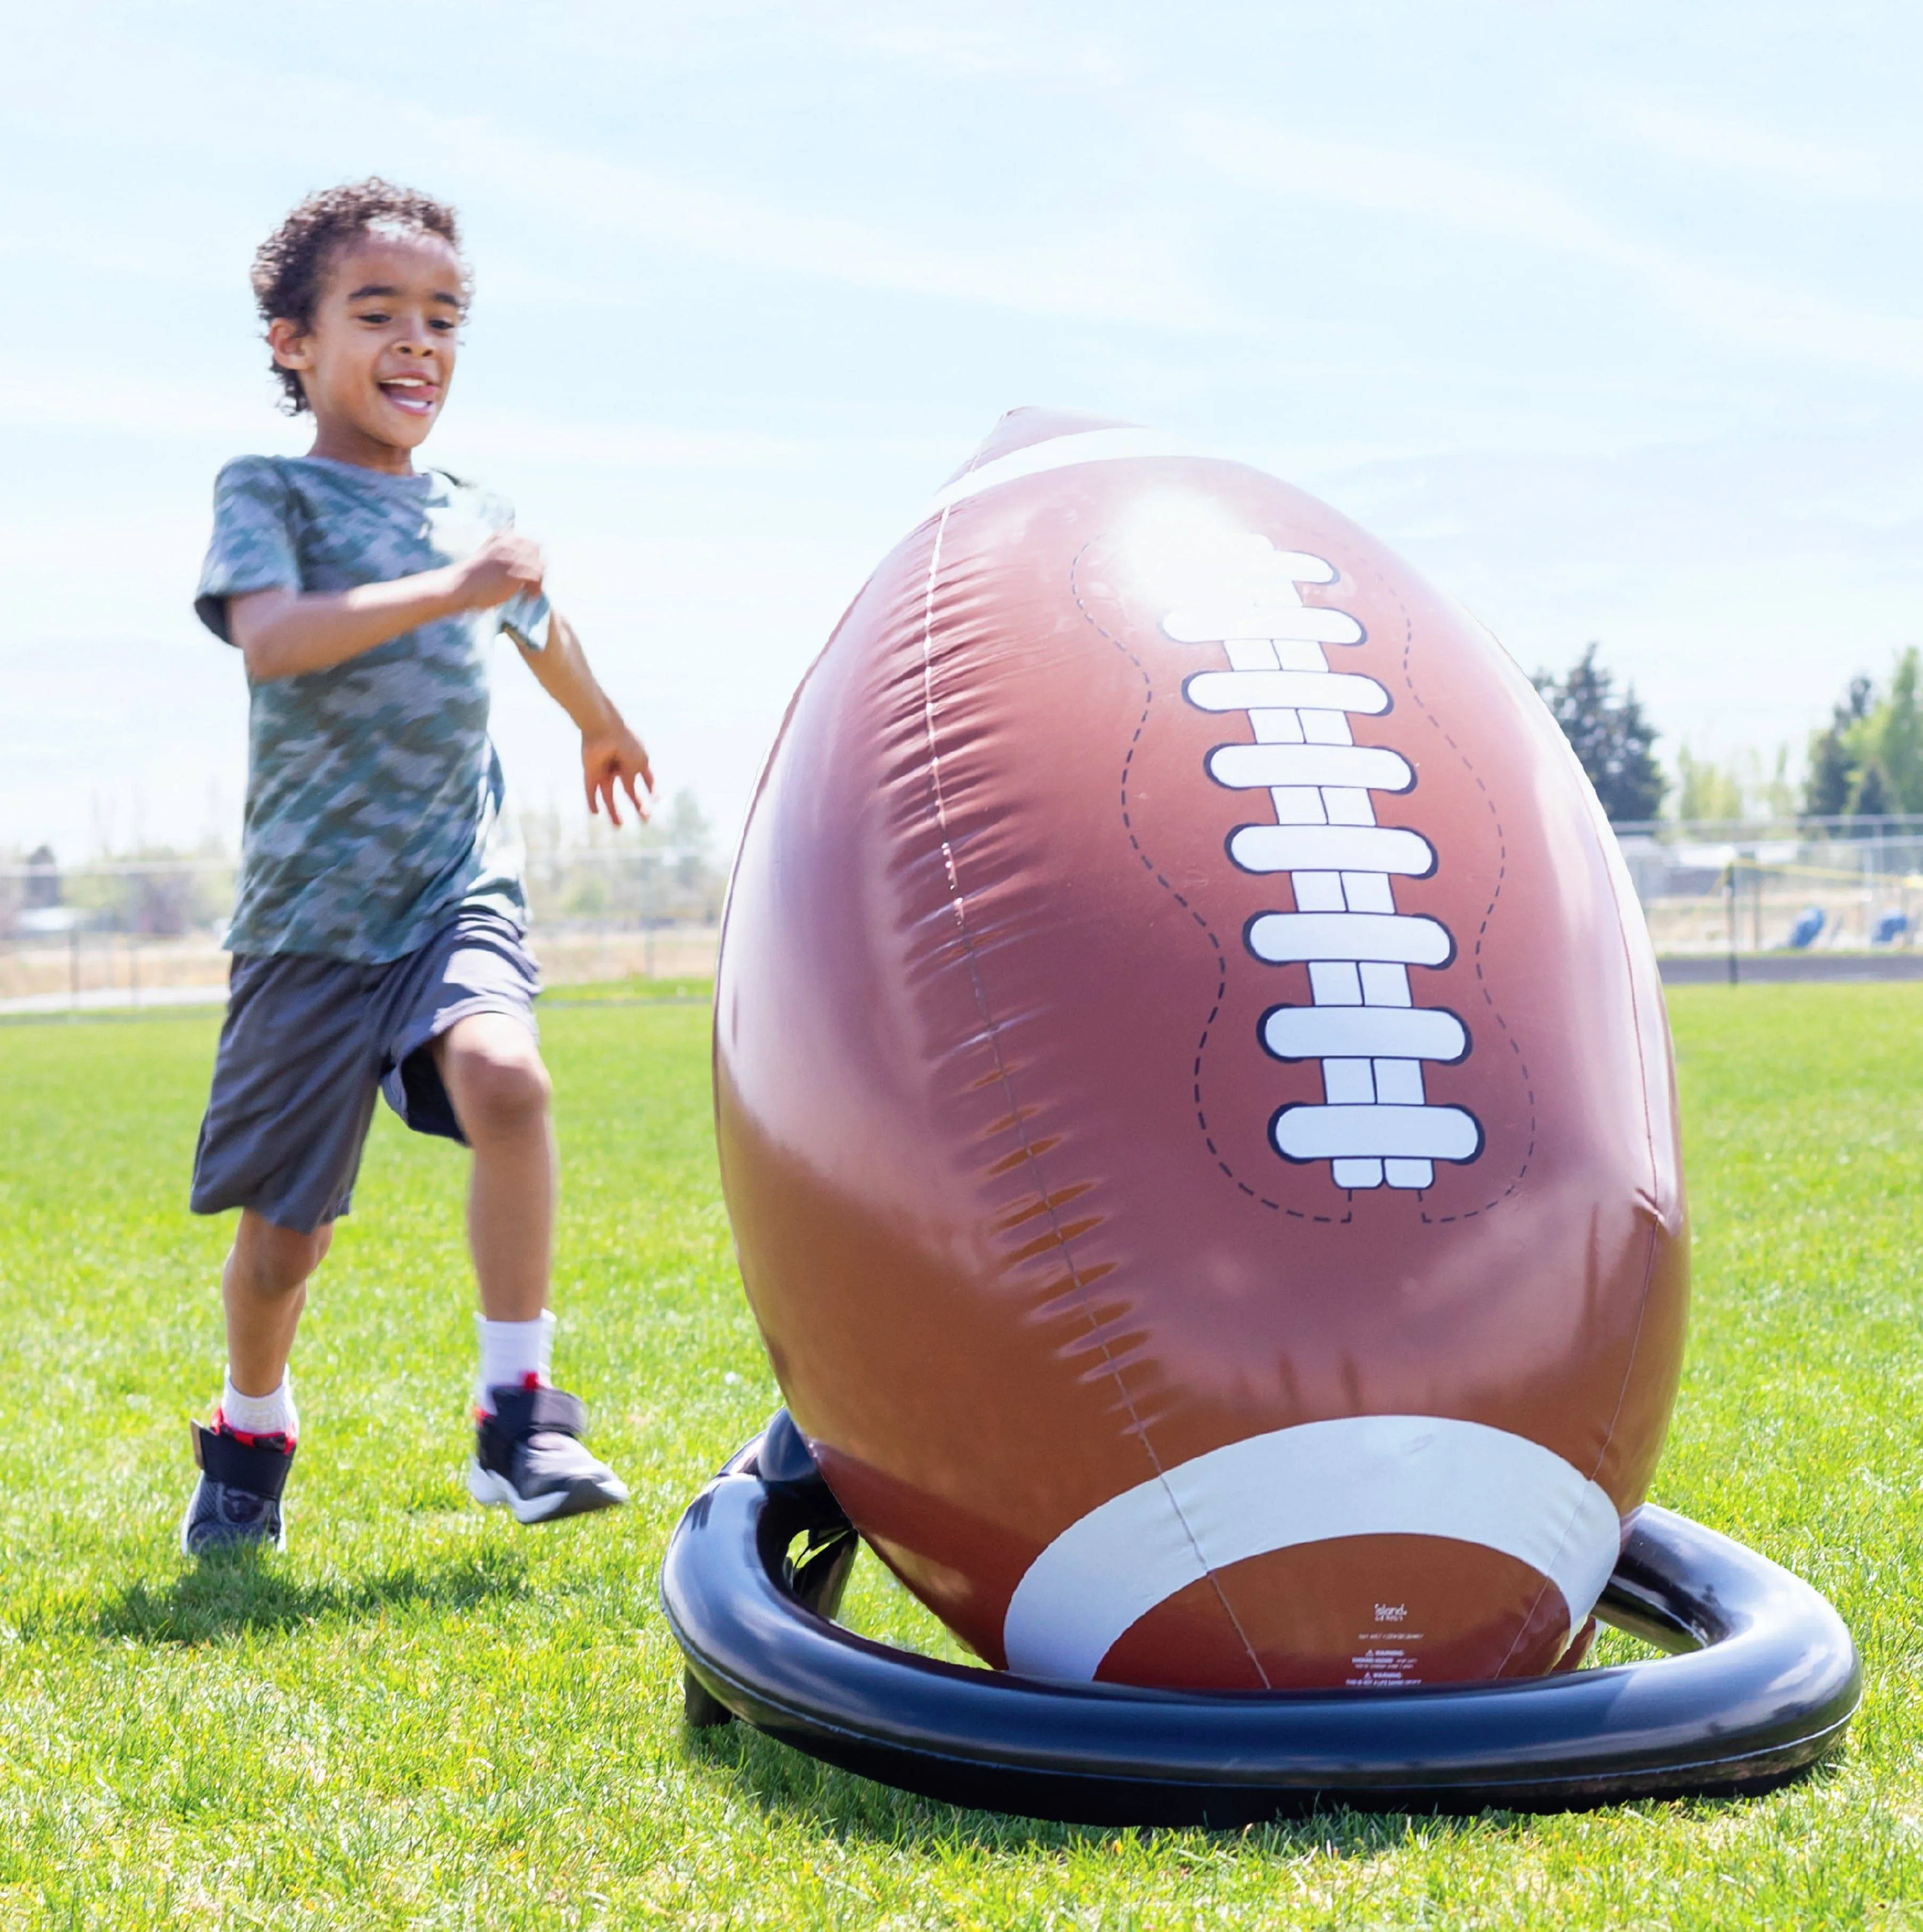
[[1376, 1126]]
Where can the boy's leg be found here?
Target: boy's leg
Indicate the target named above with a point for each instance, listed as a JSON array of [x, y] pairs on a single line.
[[263, 1288], [244, 1458], [492, 1069], [294, 1082], [462, 1063], [528, 1453]]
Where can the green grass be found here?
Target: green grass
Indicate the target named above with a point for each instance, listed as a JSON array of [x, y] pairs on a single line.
[[628, 992], [425, 1718]]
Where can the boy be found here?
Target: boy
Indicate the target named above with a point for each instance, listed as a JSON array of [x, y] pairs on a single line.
[[377, 935]]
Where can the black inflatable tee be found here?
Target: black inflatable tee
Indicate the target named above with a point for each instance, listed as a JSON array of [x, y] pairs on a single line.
[[1762, 1679]]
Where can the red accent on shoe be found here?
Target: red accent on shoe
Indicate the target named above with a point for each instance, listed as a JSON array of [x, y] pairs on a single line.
[[278, 1440], [533, 1379]]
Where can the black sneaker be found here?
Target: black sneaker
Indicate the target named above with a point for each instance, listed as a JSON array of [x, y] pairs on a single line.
[[528, 1455], [236, 1504]]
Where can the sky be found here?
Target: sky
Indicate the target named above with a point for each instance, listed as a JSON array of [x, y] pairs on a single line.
[[1608, 318]]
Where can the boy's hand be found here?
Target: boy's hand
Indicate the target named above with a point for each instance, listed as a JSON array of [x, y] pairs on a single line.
[[611, 757], [502, 569]]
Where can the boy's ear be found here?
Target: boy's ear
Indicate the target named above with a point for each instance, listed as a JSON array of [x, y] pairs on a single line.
[[289, 344]]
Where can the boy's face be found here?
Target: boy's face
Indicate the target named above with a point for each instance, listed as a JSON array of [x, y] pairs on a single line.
[[377, 361]]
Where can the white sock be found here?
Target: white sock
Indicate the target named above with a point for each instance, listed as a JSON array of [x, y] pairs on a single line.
[[261, 1415], [510, 1351]]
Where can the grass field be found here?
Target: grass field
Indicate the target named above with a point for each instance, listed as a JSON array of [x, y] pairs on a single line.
[[423, 1717]]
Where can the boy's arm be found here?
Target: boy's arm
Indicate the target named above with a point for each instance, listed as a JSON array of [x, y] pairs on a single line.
[[611, 754], [281, 633]]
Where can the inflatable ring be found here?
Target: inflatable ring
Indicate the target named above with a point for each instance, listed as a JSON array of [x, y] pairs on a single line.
[[1762, 1679]]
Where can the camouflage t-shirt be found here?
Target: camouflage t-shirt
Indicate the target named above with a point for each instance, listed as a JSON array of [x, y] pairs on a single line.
[[374, 807]]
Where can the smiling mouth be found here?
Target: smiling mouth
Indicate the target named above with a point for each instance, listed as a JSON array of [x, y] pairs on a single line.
[[410, 393]]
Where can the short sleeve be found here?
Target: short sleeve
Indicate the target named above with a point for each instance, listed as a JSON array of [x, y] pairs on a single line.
[[525, 618], [252, 545]]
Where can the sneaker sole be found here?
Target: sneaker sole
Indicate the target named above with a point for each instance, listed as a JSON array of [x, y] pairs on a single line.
[[581, 1498]]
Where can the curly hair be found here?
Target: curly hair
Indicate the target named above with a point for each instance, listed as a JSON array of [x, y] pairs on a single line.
[[290, 269]]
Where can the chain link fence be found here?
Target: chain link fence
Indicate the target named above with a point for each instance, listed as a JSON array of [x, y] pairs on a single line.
[[145, 930], [1825, 885]]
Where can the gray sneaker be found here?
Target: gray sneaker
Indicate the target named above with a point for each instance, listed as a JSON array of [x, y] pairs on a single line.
[[236, 1503], [529, 1454]]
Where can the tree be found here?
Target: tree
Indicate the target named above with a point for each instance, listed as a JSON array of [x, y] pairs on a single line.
[[1871, 796], [688, 830], [1833, 757], [1891, 737], [43, 877], [1747, 786], [1612, 740], [1868, 761], [1706, 790], [1778, 790]]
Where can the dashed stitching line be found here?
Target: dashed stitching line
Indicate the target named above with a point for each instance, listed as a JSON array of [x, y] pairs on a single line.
[[1648, 1268], [1481, 932], [1180, 899], [959, 901]]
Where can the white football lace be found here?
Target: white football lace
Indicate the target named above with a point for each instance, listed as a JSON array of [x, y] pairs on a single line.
[[1376, 1126]]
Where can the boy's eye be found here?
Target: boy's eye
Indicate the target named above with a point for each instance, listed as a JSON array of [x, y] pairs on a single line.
[[442, 324], [376, 315]]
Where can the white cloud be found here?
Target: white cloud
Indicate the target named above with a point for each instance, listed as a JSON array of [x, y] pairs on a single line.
[[136, 403], [1117, 268], [1111, 265], [1726, 308], [954, 40], [512, 434], [1707, 136]]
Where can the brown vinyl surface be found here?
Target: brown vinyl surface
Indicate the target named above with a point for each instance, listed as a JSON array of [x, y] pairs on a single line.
[[994, 1110]]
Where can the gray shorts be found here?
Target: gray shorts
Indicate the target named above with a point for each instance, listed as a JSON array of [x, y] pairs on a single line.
[[309, 1042]]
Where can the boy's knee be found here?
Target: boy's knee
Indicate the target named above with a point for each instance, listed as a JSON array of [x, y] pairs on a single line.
[[498, 1082], [273, 1260]]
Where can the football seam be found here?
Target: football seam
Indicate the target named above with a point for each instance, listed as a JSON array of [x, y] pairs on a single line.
[[1180, 899], [1345, 926]]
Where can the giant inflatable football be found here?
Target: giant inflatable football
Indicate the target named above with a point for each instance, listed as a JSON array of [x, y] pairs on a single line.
[[1194, 1098]]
